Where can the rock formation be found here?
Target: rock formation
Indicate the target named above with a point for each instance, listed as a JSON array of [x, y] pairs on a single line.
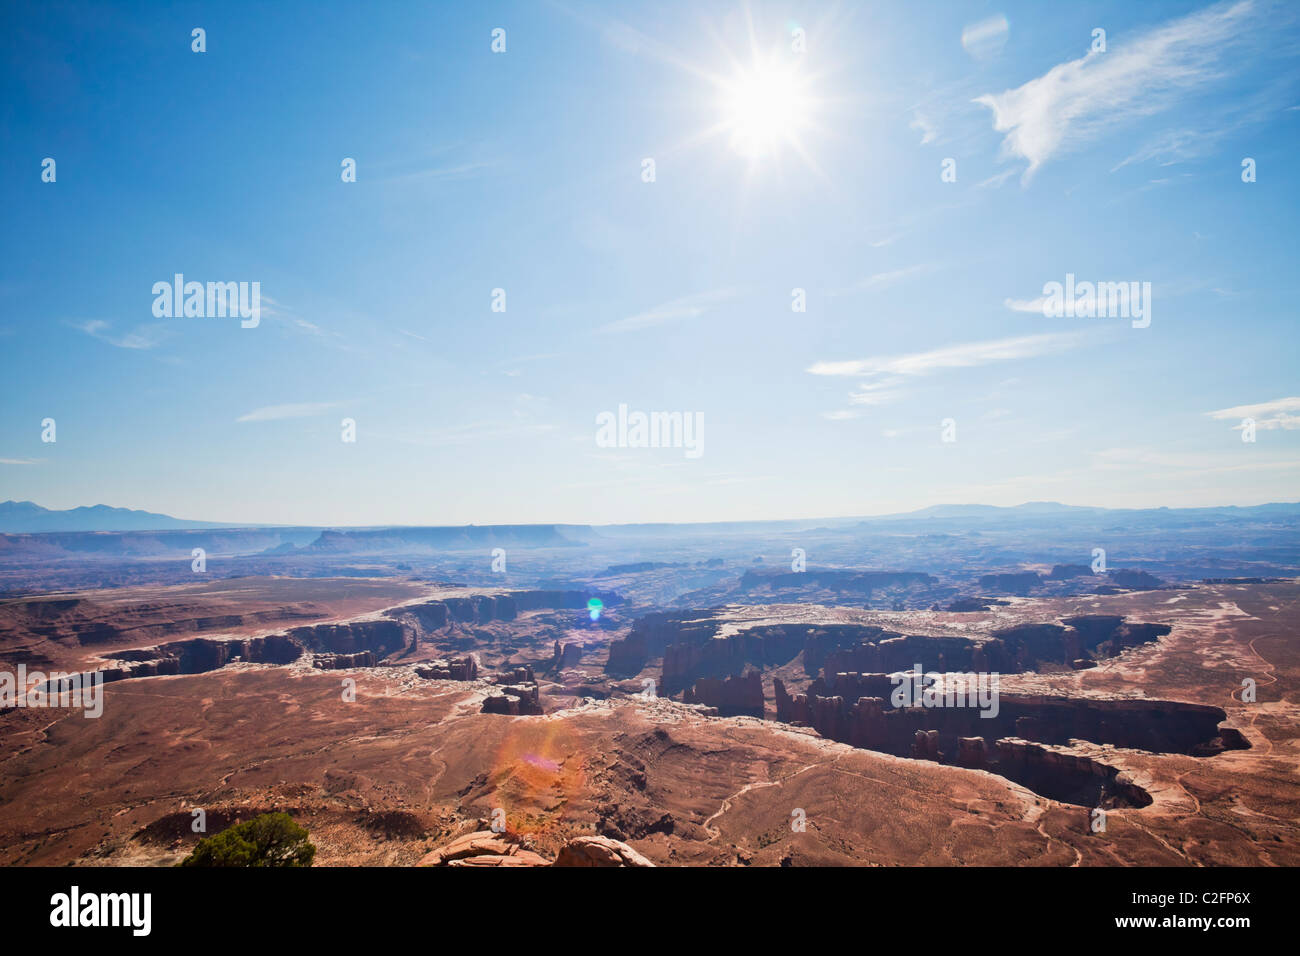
[[519, 694], [731, 697], [599, 851], [454, 668]]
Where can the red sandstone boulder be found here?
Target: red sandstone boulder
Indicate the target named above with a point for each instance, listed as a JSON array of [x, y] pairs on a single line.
[[482, 848], [599, 851]]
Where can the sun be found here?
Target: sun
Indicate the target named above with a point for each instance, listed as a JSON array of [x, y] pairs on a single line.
[[766, 108]]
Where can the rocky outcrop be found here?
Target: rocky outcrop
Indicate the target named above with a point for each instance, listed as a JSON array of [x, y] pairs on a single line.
[[202, 654], [453, 668], [1067, 776], [518, 695], [599, 851], [691, 648], [892, 652], [925, 745], [1064, 572], [428, 616], [334, 662], [487, 848], [483, 848], [1135, 580], [1022, 647], [731, 697], [651, 634], [861, 583], [566, 655], [1107, 635], [969, 604], [972, 752], [1017, 583], [857, 709], [381, 636]]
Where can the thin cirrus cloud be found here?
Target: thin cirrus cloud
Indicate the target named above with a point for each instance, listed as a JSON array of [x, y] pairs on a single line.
[[880, 392], [985, 39], [1078, 99], [272, 413], [142, 338], [677, 310], [921, 123], [438, 173], [1026, 305], [968, 355], [883, 280], [1279, 413]]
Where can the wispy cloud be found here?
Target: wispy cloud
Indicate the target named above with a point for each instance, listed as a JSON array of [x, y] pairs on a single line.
[[1145, 460], [985, 39], [968, 355], [922, 124], [272, 413], [678, 310], [880, 392], [435, 173], [282, 313], [480, 431], [882, 280], [142, 337], [1026, 305], [1076, 100], [996, 180], [21, 461], [1279, 413]]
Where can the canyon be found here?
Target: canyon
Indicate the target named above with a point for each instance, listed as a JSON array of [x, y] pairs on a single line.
[[690, 735]]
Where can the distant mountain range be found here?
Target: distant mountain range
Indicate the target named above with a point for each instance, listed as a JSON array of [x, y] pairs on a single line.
[[26, 517]]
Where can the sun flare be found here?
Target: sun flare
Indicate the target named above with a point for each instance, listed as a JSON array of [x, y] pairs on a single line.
[[765, 108]]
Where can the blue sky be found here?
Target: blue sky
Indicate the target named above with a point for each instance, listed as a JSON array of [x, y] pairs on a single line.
[[523, 170]]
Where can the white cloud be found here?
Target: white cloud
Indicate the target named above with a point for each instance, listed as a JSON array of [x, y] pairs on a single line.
[[1026, 305], [1203, 463], [996, 180], [271, 413], [143, 337], [880, 392], [1075, 100], [968, 355], [1279, 413], [923, 125], [284, 314], [678, 310], [882, 280], [985, 39]]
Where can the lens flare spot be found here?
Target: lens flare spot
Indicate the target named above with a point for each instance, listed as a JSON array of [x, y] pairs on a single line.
[[542, 763]]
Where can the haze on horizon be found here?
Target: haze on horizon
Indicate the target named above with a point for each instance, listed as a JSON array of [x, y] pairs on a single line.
[[775, 170]]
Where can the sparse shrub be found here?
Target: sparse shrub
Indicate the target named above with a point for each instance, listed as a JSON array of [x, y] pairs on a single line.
[[272, 839]]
